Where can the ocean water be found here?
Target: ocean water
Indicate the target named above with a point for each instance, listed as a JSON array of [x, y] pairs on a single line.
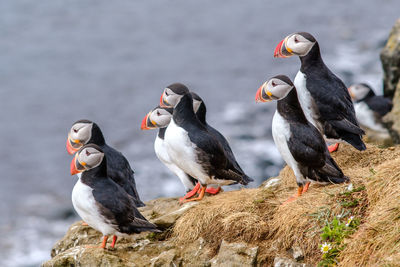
[[109, 61]]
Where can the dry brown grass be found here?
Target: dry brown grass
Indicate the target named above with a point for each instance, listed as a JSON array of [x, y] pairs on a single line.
[[256, 216]]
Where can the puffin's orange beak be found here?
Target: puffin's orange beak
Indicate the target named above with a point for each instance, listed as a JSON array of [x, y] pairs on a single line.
[[73, 168], [164, 103], [281, 50], [148, 124], [258, 95], [351, 94], [71, 150]]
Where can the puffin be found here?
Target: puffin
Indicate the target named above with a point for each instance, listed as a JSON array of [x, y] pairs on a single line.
[[369, 107], [299, 142], [102, 203], [85, 132], [323, 97], [169, 98], [198, 152], [159, 117]]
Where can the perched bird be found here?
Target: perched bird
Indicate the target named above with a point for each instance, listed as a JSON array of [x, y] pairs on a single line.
[[299, 142], [87, 132], [102, 203], [322, 95], [171, 96], [160, 117], [198, 152], [369, 107]]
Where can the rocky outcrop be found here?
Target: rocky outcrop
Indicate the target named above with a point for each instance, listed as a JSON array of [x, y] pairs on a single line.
[[390, 57]]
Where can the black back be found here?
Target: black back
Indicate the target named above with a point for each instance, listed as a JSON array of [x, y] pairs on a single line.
[[335, 107], [210, 152], [379, 104], [118, 167], [114, 203], [307, 145]]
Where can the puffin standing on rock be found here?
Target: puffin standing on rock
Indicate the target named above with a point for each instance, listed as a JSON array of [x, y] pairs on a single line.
[[198, 152], [87, 132], [322, 95], [160, 117], [169, 98], [299, 142], [102, 203], [369, 107]]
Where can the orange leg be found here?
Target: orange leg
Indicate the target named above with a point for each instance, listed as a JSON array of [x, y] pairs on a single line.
[[103, 244], [200, 197], [213, 191], [84, 223], [306, 186], [295, 196], [333, 148], [114, 241], [191, 193]]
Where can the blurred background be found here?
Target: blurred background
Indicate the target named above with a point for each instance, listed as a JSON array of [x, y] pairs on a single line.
[[109, 61]]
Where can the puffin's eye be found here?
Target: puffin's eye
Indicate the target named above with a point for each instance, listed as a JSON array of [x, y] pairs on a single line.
[[166, 93], [75, 130], [273, 84], [87, 153], [295, 40], [158, 113]]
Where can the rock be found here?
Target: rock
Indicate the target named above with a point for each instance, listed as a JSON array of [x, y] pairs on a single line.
[[167, 258], [285, 262], [390, 57], [392, 119], [297, 253], [169, 219], [235, 255]]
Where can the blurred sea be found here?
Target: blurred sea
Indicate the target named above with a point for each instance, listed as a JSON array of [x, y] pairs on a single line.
[[108, 61]]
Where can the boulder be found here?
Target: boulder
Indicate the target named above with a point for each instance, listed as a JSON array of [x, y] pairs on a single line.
[[392, 119], [390, 57], [235, 255]]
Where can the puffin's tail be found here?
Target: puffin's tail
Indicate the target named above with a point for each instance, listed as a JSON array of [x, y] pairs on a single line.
[[329, 173], [246, 179]]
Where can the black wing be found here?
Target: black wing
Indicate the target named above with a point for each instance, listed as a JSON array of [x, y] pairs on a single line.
[[379, 104], [119, 170], [308, 148], [119, 208], [335, 106]]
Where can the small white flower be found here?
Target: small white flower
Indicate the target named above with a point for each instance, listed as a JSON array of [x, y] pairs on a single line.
[[349, 221], [326, 247], [339, 216], [350, 187]]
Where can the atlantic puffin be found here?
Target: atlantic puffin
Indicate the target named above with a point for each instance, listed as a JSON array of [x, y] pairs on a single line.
[[160, 117], [299, 142], [198, 152], [369, 107], [87, 132], [171, 95], [101, 202], [322, 95]]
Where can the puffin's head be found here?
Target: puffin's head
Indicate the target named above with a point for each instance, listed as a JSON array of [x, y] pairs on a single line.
[[172, 94], [197, 101], [299, 44], [274, 89], [359, 91], [158, 117], [79, 135], [88, 157]]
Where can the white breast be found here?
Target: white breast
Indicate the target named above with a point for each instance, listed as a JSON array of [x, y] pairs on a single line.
[[306, 100], [366, 118], [85, 205], [161, 151], [281, 135], [182, 152]]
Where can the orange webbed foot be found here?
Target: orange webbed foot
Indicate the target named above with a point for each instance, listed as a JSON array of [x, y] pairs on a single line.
[[190, 193], [200, 197], [103, 244], [333, 148], [295, 196], [213, 191]]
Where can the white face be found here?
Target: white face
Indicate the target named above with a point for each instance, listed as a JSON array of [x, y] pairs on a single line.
[[80, 134], [196, 105], [276, 89], [90, 158], [298, 44], [170, 98], [160, 117], [358, 91]]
